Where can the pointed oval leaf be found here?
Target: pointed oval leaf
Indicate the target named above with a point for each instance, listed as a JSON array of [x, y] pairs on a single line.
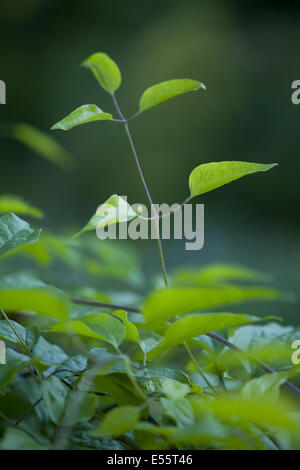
[[15, 232], [82, 115], [20, 292], [105, 70], [16, 204], [97, 325], [118, 421], [167, 303], [113, 211], [194, 325], [165, 90], [54, 395], [209, 176], [267, 386]]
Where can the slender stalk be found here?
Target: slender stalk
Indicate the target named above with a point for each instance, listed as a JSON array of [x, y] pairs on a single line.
[[156, 224], [195, 362]]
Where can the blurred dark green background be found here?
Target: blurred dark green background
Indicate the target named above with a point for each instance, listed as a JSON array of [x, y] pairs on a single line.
[[247, 54]]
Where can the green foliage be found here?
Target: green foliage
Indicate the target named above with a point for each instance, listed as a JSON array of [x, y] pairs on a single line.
[[105, 70], [166, 90], [14, 232], [78, 358], [83, 115], [112, 211], [16, 204], [205, 178]]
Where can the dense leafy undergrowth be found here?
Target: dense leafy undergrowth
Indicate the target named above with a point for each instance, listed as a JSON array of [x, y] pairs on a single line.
[[144, 376], [170, 365]]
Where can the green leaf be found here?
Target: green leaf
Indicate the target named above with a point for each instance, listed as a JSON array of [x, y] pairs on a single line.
[[209, 176], [180, 411], [267, 387], [117, 422], [21, 292], [54, 394], [48, 354], [114, 210], [15, 232], [170, 388], [32, 336], [18, 439], [217, 273], [131, 331], [105, 70], [97, 325], [15, 362], [165, 90], [7, 334], [43, 145], [194, 325], [80, 407], [83, 115], [167, 303], [12, 203]]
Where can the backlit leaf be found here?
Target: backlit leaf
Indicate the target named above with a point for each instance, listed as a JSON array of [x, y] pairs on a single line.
[[16, 204], [209, 176], [113, 211], [166, 90], [105, 70], [118, 422], [83, 115]]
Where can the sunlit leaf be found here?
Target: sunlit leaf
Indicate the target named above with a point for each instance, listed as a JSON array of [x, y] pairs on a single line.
[[83, 115], [118, 421], [105, 71], [168, 303], [16, 204], [113, 211], [15, 232], [20, 292], [194, 325], [267, 387], [97, 325], [131, 331], [166, 90], [43, 145], [217, 273], [209, 176]]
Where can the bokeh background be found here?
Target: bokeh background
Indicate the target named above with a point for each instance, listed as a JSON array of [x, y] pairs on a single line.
[[247, 54]]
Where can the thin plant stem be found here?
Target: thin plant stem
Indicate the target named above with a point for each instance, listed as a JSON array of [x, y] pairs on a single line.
[[195, 362], [156, 224]]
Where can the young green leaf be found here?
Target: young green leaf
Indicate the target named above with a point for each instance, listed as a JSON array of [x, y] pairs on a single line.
[[167, 303], [97, 325], [118, 421], [209, 176], [16, 204], [42, 145], [15, 232], [83, 115], [105, 70], [113, 211], [19, 292], [194, 325], [131, 331], [213, 273], [165, 90], [267, 387]]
